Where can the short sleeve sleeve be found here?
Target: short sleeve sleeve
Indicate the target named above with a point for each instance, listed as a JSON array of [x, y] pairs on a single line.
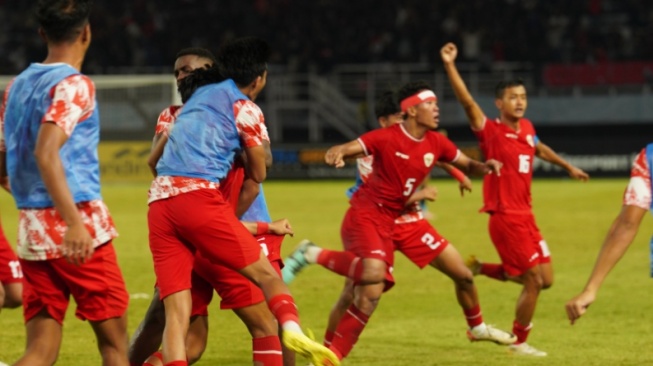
[[372, 141], [250, 123], [638, 192], [73, 101]]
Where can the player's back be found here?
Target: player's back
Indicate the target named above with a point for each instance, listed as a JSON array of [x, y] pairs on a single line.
[[204, 139]]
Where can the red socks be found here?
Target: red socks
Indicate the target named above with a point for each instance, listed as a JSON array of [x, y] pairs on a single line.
[[177, 363], [157, 355], [521, 331], [349, 329], [474, 316], [267, 351], [343, 263], [284, 309], [493, 271], [328, 337]]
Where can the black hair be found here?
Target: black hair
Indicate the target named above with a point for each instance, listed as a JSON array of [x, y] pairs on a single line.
[[244, 59], [197, 51], [505, 84], [63, 20], [386, 105], [412, 88], [196, 79]]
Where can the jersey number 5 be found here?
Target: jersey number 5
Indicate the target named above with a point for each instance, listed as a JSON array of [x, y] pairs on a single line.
[[409, 186]]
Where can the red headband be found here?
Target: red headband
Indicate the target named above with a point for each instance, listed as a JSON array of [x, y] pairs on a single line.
[[413, 100]]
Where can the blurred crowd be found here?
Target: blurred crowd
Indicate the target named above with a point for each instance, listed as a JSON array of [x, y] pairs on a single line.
[[144, 35]]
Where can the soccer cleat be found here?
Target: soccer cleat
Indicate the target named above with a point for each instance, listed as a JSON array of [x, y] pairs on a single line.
[[492, 334], [525, 349], [474, 265], [296, 261], [317, 354]]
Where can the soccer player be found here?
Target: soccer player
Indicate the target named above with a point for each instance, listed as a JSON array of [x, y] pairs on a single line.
[[51, 132], [237, 293], [187, 212], [404, 154], [637, 200], [414, 236], [511, 139]]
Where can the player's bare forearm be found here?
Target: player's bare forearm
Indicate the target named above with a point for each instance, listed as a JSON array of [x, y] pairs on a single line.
[[336, 155], [476, 168], [546, 153], [616, 243], [248, 192], [428, 193], [256, 168], [158, 143], [475, 115]]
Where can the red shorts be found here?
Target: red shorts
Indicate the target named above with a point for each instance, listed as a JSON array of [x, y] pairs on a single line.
[[368, 234], [10, 271], [234, 289], [97, 287], [196, 221], [518, 242], [419, 241]]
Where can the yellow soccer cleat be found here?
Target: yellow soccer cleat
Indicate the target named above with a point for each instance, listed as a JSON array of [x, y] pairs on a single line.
[[315, 352]]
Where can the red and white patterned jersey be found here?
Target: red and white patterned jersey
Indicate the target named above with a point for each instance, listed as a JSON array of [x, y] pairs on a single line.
[[509, 192], [411, 213], [401, 163], [638, 192], [41, 231], [166, 118], [251, 126]]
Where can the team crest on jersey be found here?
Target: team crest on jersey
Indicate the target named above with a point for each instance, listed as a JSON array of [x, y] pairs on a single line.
[[530, 141], [428, 159]]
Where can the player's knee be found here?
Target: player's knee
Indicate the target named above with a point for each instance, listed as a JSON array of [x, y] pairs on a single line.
[[547, 283], [533, 280], [373, 272], [195, 351]]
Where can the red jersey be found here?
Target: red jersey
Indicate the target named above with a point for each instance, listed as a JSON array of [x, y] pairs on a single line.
[[509, 192], [401, 163]]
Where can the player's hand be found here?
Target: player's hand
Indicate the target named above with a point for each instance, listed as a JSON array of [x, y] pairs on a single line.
[[465, 185], [494, 166], [449, 52], [77, 244], [578, 174], [334, 157], [430, 193], [577, 306], [281, 227]]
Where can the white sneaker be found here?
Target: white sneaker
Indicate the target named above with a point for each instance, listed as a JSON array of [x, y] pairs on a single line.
[[3, 364], [492, 334], [525, 349]]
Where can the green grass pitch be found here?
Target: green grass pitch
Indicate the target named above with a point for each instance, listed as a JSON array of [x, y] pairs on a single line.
[[419, 321]]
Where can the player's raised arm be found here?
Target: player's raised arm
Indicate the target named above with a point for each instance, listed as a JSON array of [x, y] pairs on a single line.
[[336, 155], [546, 153], [621, 235], [475, 115]]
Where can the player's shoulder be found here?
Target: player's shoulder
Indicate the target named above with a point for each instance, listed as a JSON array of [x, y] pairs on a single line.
[[246, 105], [169, 113], [526, 123]]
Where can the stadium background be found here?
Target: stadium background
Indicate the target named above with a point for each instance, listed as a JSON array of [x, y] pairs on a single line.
[[588, 66]]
